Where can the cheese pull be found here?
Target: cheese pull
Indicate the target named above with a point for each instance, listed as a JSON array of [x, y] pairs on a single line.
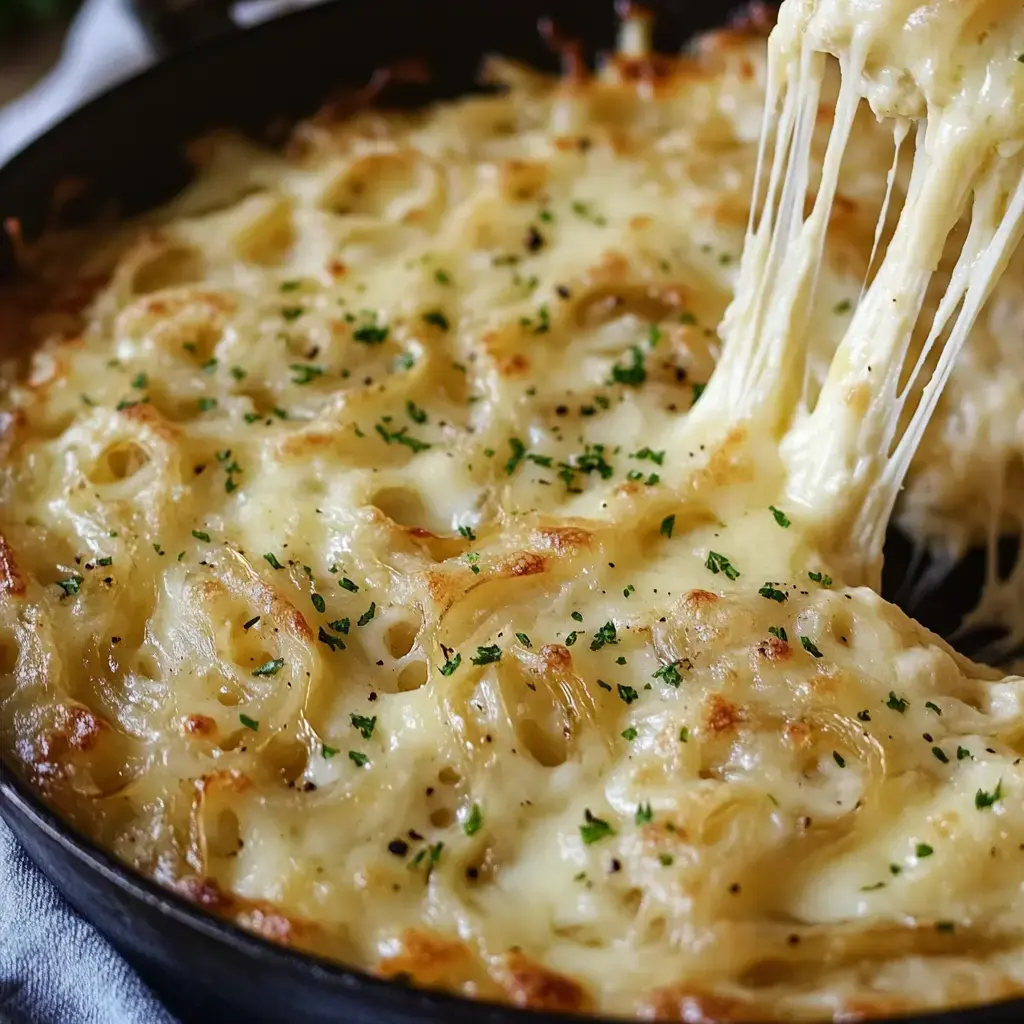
[[948, 79]]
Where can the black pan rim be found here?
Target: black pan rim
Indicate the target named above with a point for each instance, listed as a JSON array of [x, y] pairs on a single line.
[[18, 797], [162, 67], [428, 1004]]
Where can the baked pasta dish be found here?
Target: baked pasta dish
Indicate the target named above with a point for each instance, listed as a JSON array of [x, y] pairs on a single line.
[[398, 559]]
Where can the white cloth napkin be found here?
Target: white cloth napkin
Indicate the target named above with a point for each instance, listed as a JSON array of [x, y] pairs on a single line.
[[55, 968]]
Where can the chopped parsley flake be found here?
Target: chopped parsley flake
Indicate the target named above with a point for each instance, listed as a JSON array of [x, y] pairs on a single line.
[[698, 390], [363, 724], [291, 313], [105, 561], [780, 517], [334, 642], [669, 674], [206, 404], [962, 754], [629, 734], [823, 578], [71, 585], [839, 759], [644, 814], [402, 437], [684, 735], [269, 668], [594, 829], [923, 850], [327, 752], [719, 563], [141, 381], [808, 645], [487, 655], [897, 703], [571, 638], [591, 461], [249, 723], [339, 625], [467, 532], [779, 632], [358, 758], [370, 333], [605, 635], [658, 458], [577, 616], [983, 799], [524, 639], [451, 664], [627, 694], [668, 525], [474, 821], [584, 210], [305, 373], [517, 456], [367, 615], [272, 559], [633, 374], [346, 584], [933, 707], [441, 277], [416, 414], [940, 755], [201, 535], [437, 319], [666, 860], [318, 603]]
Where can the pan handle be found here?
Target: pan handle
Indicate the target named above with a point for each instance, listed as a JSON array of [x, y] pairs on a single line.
[[173, 25]]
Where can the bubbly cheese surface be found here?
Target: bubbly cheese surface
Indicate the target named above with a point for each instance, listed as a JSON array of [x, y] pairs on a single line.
[[376, 572]]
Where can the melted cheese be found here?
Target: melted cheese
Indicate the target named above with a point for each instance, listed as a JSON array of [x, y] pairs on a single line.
[[366, 575]]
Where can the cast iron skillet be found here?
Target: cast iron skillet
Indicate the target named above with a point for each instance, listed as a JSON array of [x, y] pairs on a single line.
[[128, 144]]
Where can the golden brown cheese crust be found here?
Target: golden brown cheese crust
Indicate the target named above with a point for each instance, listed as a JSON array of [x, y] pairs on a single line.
[[355, 582]]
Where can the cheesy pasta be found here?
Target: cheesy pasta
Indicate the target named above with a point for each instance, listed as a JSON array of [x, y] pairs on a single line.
[[376, 571]]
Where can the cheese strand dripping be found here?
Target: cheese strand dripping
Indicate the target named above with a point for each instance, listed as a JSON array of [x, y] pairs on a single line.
[[959, 81]]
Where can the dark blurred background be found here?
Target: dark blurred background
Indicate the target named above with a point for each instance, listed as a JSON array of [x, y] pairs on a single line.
[[16, 15], [31, 32]]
